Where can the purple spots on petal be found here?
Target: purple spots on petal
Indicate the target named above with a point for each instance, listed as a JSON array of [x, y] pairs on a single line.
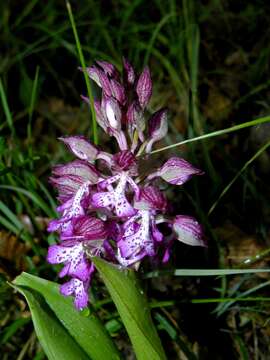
[[79, 289]]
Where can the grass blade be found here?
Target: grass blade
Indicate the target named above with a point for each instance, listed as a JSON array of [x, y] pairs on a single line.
[[34, 197], [203, 272], [87, 81], [261, 120], [250, 161], [6, 108]]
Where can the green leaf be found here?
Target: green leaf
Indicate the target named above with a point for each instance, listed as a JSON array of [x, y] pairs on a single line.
[[133, 308], [88, 331], [203, 272], [54, 338]]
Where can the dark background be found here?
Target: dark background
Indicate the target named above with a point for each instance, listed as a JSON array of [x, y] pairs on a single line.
[[209, 62]]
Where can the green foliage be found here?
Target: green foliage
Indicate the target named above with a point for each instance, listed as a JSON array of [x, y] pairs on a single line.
[[55, 340], [86, 330], [197, 51], [133, 309]]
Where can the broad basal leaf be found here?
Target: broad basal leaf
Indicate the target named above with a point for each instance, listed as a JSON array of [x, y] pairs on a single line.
[[54, 338], [88, 331]]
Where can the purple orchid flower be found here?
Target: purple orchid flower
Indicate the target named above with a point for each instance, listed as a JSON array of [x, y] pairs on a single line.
[[108, 207]]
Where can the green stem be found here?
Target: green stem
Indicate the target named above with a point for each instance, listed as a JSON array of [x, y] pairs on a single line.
[[87, 81]]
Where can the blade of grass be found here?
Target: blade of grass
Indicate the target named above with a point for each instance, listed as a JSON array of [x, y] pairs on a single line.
[[10, 330], [26, 11], [6, 108], [174, 335], [87, 81], [33, 99], [20, 233], [221, 310], [258, 257], [169, 303], [11, 216], [159, 26], [34, 197], [216, 133], [226, 189], [203, 272], [30, 115]]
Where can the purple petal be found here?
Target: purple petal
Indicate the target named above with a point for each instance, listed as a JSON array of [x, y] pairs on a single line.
[[158, 127], [125, 160], [144, 87], [81, 147], [113, 200], [123, 207], [156, 234], [128, 72], [89, 228], [134, 246], [135, 120], [100, 116], [118, 91], [151, 198], [58, 254], [113, 113], [79, 268], [73, 208], [176, 171], [72, 254], [69, 181], [105, 84], [67, 185], [79, 289], [54, 225], [109, 181], [64, 271], [68, 288], [94, 74], [103, 199], [188, 230], [100, 78], [107, 67], [78, 168]]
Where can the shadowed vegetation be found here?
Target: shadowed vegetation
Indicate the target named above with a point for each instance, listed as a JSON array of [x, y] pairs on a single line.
[[209, 62]]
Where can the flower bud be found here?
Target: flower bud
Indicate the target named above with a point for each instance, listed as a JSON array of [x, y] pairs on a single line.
[[144, 87]]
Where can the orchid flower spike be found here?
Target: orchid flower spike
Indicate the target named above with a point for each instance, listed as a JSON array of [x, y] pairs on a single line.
[[107, 206]]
